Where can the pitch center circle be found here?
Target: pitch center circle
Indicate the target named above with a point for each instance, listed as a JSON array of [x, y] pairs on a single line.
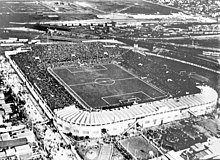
[[104, 81]]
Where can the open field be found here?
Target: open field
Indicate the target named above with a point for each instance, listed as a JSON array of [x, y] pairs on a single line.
[[25, 7], [139, 147], [109, 6], [148, 8], [104, 85], [130, 7], [177, 136]]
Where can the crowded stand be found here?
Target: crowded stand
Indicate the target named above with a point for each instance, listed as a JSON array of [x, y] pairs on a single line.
[[35, 63], [190, 55], [159, 74], [171, 50], [204, 7]]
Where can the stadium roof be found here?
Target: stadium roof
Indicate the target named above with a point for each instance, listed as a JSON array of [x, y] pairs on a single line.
[[77, 116]]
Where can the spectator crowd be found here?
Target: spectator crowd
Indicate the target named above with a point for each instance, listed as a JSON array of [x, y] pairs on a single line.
[[34, 65], [156, 71], [190, 55]]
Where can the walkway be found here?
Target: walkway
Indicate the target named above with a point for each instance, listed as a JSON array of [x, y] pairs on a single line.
[[106, 152]]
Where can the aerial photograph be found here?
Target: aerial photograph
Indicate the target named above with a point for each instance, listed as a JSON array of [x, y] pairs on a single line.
[[109, 79]]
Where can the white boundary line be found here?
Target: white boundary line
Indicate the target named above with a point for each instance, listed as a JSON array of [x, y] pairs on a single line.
[[80, 84], [103, 65], [149, 84], [103, 98], [122, 79], [117, 103], [126, 71], [154, 87], [68, 70], [70, 90], [124, 94], [129, 100], [92, 70], [108, 84], [100, 84], [105, 101]]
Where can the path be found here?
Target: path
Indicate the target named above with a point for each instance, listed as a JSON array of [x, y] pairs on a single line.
[[106, 152]]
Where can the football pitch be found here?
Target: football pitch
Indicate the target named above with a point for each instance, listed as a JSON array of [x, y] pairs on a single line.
[[140, 148], [104, 85]]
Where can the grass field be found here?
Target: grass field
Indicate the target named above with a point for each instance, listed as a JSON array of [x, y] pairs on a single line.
[[145, 7], [102, 85], [139, 147]]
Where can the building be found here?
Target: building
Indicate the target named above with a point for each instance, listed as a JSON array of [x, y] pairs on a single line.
[[116, 121], [23, 152]]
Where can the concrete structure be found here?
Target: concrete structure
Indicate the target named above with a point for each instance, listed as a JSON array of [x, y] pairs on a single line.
[[116, 121]]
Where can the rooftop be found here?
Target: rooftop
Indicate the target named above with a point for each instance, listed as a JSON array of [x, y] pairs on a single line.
[[76, 116]]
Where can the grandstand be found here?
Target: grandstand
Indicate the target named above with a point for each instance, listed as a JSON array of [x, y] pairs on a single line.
[[84, 123], [90, 87]]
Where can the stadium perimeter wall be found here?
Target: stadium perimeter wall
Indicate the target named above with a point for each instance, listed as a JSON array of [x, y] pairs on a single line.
[[39, 99], [32, 90], [118, 126], [76, 125]]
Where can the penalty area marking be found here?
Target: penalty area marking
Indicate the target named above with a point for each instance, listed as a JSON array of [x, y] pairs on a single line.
[[95, 81], [127, 94], [132, 99], [104, 98], [150, 85], [70, 90], [90, 69]]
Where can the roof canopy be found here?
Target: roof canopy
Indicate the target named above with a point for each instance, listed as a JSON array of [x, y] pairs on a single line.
[[74, 115]]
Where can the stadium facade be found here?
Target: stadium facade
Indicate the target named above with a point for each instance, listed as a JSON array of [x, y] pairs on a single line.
[[116, 121]]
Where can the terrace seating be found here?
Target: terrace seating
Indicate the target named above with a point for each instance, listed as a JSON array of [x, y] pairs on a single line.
[[190, 55], [34, 65], [162, 76]]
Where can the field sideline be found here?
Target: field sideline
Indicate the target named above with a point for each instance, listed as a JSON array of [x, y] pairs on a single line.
[[104, 85]]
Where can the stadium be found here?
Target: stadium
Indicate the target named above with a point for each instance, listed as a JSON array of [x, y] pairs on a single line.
[[93, 88], [84, 123]]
